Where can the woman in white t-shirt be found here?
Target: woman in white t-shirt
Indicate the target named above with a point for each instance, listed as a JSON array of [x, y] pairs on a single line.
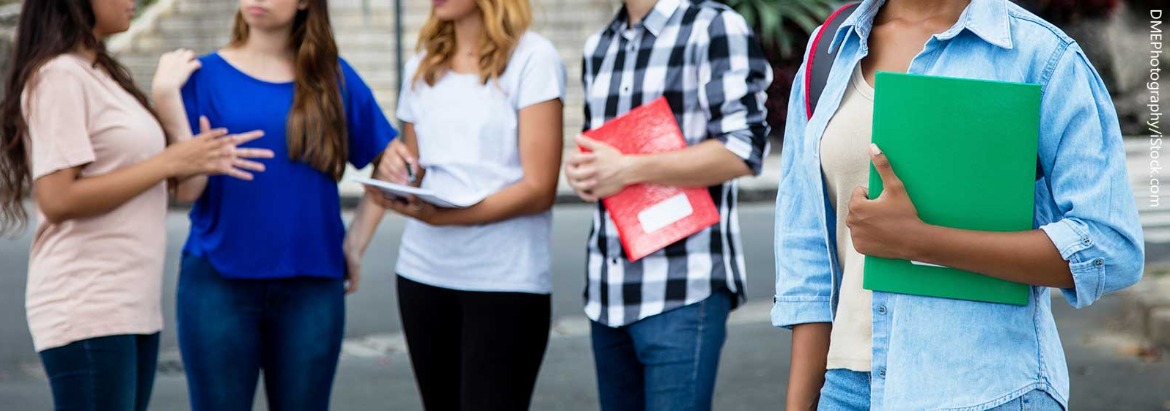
[[482, 117]]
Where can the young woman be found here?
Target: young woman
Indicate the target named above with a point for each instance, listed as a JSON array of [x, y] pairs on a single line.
[[903, 352], [482, 119], [74, 128], [265, 267]]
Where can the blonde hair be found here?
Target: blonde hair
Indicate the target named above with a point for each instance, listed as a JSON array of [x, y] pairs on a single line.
[[504, 21]]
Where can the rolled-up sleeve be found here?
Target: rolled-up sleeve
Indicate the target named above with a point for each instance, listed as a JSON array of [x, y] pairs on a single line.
[[1081, 150], [734, 78], [804, 284]]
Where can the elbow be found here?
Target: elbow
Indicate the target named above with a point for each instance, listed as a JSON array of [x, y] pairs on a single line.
[[55, 212], [186, 196]]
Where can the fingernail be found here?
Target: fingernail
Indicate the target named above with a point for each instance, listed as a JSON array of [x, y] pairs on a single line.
[[873, 149]]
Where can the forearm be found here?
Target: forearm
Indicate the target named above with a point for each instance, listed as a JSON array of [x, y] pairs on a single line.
[[366, 219], [809, 356], [97, 195], [702, 165], [1026, 257], [525, 197], [173, 115]]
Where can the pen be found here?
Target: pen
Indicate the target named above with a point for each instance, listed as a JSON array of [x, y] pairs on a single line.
[[410, 172]]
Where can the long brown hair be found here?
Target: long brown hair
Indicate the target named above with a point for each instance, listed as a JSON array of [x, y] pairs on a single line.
[[504, 22], [316, 124], [47, 29]]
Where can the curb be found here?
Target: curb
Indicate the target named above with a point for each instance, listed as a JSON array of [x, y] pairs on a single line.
[[1148, 306]]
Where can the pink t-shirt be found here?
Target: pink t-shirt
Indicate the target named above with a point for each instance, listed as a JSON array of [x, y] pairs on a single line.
[[97, 276]]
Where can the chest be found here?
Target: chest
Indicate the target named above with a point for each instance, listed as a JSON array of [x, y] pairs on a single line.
[[122, 131]]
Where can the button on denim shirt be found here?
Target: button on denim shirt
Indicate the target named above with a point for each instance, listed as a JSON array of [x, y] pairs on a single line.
[[934, 353]]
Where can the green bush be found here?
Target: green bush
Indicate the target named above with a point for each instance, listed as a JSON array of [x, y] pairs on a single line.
[[784, 25]]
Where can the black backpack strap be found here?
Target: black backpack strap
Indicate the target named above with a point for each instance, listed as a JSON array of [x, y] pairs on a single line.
[[820, 61]]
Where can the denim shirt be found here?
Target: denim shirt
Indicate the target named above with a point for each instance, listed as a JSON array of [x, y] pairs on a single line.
[[934, 353]]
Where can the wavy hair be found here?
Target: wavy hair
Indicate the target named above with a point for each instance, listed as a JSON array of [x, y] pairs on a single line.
[[47, 29], [505, 21]]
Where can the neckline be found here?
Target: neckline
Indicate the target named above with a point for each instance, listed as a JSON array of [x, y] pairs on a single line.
[[860, 84], [244, 74]]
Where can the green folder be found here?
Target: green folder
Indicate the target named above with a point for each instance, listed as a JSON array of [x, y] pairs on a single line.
[[966, 151]]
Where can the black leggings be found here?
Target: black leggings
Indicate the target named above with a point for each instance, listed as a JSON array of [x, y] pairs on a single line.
[[476, 351]]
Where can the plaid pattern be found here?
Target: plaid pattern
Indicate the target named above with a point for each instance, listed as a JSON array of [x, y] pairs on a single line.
[[704, 58]]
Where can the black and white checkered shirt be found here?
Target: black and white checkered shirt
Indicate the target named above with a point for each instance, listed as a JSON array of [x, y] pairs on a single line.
[[704, 58]]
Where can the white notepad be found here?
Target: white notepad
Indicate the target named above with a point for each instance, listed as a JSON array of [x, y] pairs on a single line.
[[400, 191]]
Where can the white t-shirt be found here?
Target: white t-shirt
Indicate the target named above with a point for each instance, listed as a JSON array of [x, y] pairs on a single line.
[[468, 141]]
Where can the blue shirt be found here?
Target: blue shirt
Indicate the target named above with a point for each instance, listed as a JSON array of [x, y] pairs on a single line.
[[934, 353], [287, 221]]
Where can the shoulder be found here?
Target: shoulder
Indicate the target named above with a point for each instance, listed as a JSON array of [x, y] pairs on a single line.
[[707, 12], [1032, 35], [534, 46], [65, 66], [711, 19]]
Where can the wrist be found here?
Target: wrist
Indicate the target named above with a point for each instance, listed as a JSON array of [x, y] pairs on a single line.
[[633, 172], [163, 92], [917, 242]]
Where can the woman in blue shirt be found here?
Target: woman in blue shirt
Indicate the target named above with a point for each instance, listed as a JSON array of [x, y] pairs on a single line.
[[265, 267], [932, 353]]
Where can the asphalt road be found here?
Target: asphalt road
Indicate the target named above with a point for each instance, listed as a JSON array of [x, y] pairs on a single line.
[[375, 373]]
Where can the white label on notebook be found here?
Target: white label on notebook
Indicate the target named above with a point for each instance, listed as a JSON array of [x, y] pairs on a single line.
[[926, 264], [665, 213]]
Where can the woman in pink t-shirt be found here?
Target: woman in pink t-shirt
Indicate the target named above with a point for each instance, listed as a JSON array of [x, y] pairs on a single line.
[[75, 129]]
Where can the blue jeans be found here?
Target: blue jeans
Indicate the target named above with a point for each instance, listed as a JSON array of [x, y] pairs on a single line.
[[846, 390], [229, 330], [666, 362], [114, 373]]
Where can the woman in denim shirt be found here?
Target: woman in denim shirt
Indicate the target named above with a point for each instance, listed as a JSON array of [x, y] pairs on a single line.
[[914, 352]]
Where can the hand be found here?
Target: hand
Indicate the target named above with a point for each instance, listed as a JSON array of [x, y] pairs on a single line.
[[601, 172], [353, 267], [395, 160], [213, 151], [174, 69], [410, 207], [879, 226]]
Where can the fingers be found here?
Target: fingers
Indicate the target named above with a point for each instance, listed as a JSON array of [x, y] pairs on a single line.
[[204, 124], [240, 174], [254, 153], [404, 152], [587, 196], [352, 280], [580, 173], [213, 134], [239, 139], [248, 165], [859, 194], [589, 144], [580, 159], [882, 164]]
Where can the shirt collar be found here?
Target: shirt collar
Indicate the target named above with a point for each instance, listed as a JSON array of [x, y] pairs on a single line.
[[654, 22], [988, 19]]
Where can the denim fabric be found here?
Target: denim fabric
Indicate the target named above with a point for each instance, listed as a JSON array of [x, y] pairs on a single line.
[[231, 329], [666, 362], [971, 355], [846, 390], [113, 373]]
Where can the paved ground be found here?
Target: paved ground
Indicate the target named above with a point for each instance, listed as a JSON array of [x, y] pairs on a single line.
[[375, 373]]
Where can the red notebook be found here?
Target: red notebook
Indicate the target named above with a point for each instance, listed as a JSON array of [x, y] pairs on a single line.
[[651, 217]]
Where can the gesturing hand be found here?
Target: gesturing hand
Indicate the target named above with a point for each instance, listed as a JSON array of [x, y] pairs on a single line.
[[214, 151]]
